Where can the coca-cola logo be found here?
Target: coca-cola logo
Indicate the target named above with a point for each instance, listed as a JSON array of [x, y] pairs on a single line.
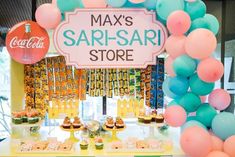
[[27, 42], [33, 42]]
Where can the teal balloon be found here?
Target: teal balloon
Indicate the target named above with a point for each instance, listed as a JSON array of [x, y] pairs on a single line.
[[199, 23], [178, 85], [165, 7], [192, 123], [150, 4], [189, 118], [69, 5], [166, 90], [62, 16], [199, 86], [184, 66], [190, 102], [212, 22], [115, 3], [173, 102], [133, 5], [223, 125], [195, 9], [205, 114]]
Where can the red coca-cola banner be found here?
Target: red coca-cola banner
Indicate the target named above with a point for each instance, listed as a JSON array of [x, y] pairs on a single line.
[[27, 42]]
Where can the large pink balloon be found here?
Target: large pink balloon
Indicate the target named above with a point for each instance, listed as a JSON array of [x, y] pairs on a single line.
[[48, 16], [178, 22], [210, 70], [229, 146], [137, 1], [196, 142], [219, 99], [169, 66], [217, 154], [200, 43], [94, 3], [175, 116], [217, 143], [175, 45]]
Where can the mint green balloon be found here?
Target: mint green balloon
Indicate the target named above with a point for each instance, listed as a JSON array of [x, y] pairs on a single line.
[[190, 102], [165, 7], [192, 123], [173, 102], [200, 87], [212, 22], [184, 66], [189, 118], [205, 114], [195, 9], [223, 125], [199, 23], [69, 5]]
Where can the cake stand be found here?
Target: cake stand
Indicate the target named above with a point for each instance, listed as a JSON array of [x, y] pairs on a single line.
[[72, 131], [114, 132], [151, 127]]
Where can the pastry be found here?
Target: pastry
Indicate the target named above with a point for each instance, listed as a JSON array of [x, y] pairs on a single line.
[[159, 118], [66, 124], [147, 119], [141, 144], [117, 145], [66, 146], [40, 146], [53, 146], [77, 123], [26, 147], [109, 122], [119, 123], [154, 144], [99, 143], [83, 144]]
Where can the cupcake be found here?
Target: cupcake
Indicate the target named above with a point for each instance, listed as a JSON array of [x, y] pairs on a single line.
[[76, 123], [153, 115], [17, 119], [84, 145], [159, 118], [99, 143], [109, 122], [66, 124], [119, 123], [147, 119]]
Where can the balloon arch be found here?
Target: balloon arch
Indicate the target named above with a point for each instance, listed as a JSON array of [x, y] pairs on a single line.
[[191, 70]]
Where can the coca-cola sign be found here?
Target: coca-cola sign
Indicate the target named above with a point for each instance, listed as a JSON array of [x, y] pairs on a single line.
[[110, 38], [27, 42]]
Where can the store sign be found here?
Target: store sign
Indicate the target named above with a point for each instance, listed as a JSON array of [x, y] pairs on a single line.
[[110, 38], [27, 42]]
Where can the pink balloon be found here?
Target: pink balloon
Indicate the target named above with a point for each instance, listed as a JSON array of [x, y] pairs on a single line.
[[136, 1], [217, 143], [210, 70], [203, 99], [178, 22], [219, 99], [48, 16], [175, 116], [229, 146], [175, 45], [200, 43], [196, 142], [169, 66], [94, 3], [217, 154], [54, 2]]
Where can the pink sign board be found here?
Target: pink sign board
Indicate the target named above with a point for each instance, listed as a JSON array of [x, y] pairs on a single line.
[[110, 38]]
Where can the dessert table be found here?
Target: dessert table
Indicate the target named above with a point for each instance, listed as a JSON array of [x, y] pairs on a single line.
[[9, 146]]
